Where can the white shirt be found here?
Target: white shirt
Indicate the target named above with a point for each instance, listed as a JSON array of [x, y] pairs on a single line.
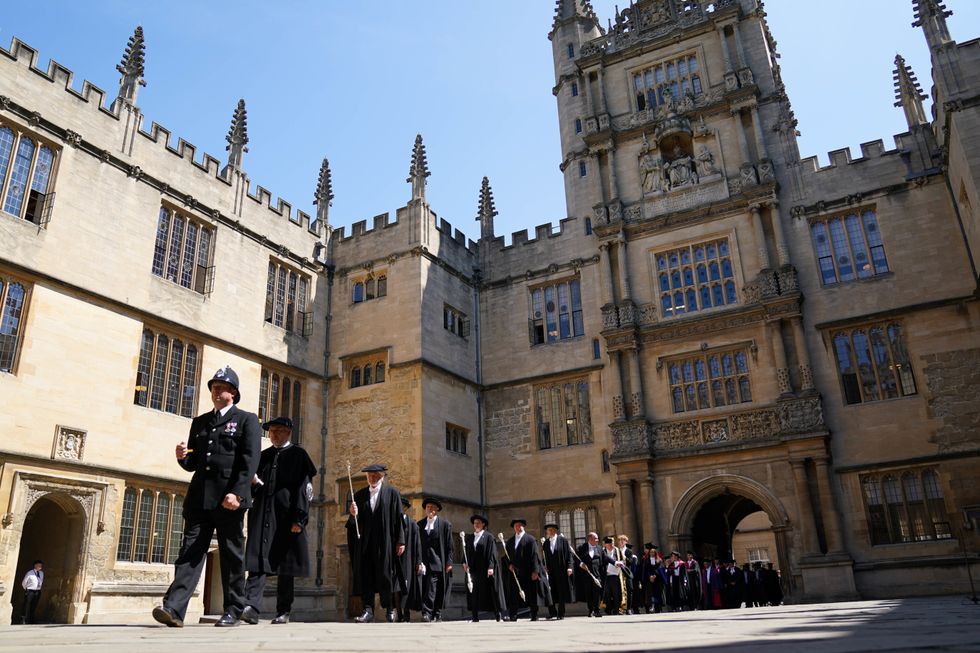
[[224, 410], [612, 570], [430, 523], [553, 540], [33, 580], [517, 538], [592, 551], [476, 537], [375, 493]]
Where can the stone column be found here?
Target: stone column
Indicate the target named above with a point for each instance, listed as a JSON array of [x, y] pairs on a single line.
[[606, 272], [589, 102], [596, 172], [739, 49], [648, 515], [636, 384], [743, 143], [830, 516], [760, 141], [624, 279], [615, 370], [779, 353], [725, 54], [802, 355], [808, 527], [602, 91], [760, 236], [627, 506], [782, 251], [613, 182]]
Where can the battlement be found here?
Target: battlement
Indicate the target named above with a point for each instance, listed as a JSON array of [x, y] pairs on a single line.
[[93, 97], [360, 228], [457, 236], [842, 157], [542, 233]]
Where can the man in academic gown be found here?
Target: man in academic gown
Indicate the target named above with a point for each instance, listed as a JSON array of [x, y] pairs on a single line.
[[561, 569], [590, 567], [734, 584], [654, 580], [694, 585], [409, 568], [484, 568], [222, 449], [377, 510], [615, 578], [282, 490], [713, 585], [524, 561], [436, 538], [676, 573], [774, 591]]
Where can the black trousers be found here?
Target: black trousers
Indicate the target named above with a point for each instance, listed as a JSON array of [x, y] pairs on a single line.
[[199, 526], [433, 592], [31, 597], [612, 594], [593, 595], [285, 591]]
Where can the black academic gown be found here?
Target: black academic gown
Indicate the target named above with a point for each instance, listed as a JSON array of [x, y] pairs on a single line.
[[526, 558], [488, 592], [440, 542], [281, 500], [559, 564], [584, 583], [408, 579], [373, 555]]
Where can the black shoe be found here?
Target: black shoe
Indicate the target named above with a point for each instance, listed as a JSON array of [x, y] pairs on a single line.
[[281, 618], [426, 617], [391, 616], [250, 615], [168, 617], [436, 616], [476, 617], [227, 620], [366, 617], [405, 617]]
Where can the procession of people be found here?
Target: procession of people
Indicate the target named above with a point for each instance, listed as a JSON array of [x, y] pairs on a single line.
[[406, 565]]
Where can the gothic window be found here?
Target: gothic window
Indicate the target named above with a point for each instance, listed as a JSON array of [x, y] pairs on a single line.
[[582, 169], [13, 299], [183, 251], [26, 171], [571, 51], [578, 125], [605, 461], [355, 377], [281, 396], [574, 523], [873, 363], [166, 374], [150, 526], [849, 247], [556, 312], [588, 226], [372, 286], [696, 278], [287, 299], [574, 89], [905, 506], [365, 370], [456, 437], [680, 76], [455, 321], [596, 351], [709, 380], [562, 414]]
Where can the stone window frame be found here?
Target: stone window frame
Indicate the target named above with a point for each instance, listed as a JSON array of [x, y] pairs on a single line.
[[545, 403], [13, 316], [737, 382], [456, 439], [574, 522], [578, 125], [139, 541], [372, 285], [858, 379], [728, 286], [905, 506], [352, 369], [840, 239], [455, 321], [281, 395], [173, 377], [538, 311], [583, 169], [646, 88], [175, 259], [36, 205], [287, 299]]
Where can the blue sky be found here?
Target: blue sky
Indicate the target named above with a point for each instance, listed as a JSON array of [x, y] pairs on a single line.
[[355, 81]]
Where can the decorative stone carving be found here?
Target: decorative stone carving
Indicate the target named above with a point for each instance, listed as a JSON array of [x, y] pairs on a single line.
[[734, 186], [801, 416], [745, 77], [603, 122], [648, 314], [599, 215], [766, 172], [806, 377], [681, 170], [715, 430], [631, 438], [136, 172], [72, 138], [731, 81], [755, 425], [634, 212], [782, 379], [789, 281], [69, 443], [651, 168], [677, 435], [798, 211], [747, 175], [627, 314], [636, 404], [618, 409], [591, 126], [705, 162], [615, 212], [4, 102]]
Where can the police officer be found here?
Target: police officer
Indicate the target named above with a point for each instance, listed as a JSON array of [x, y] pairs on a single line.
[[222, 450]]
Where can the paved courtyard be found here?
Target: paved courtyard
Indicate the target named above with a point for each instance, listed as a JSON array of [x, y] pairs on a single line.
[[940, 624]]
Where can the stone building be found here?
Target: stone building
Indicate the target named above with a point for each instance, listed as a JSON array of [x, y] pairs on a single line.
[[652, 360]]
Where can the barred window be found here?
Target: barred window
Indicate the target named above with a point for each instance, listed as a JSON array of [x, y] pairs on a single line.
[[905, 506], [455, 321], [849, 247], [365, 371], [13, 299], [373, 286], [287, 299], [709, 380], [166, 374], [696, 278], [281, 396], [679, 76], [183, 251], [150, 526], [562, 414], [456, 437], [556, 312], [873, 363], [574, 523], [26, 172]]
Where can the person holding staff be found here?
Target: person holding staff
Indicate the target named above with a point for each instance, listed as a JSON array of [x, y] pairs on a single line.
[[436, 536], [483, 565]]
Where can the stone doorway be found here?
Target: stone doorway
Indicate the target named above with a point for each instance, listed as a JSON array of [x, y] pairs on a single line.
[[715, 525], [53, 532]]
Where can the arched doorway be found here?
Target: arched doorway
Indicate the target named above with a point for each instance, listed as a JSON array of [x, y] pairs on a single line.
[[716, 523], [52, 532]]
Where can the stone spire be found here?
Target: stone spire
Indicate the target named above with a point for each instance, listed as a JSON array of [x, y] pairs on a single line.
[[237, 137], [419, 170], [567, 9], [931, 16], [486, 211], [131, 68], [908, 93], [323, 196]]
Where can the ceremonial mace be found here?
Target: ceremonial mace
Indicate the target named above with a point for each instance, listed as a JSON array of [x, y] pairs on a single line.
[[595, 580], [357, 528], [469, 578], [500, 536]]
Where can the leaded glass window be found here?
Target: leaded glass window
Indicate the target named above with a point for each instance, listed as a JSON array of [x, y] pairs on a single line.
[[849, 247], [696, 277], [709, 380], [873, 363], [166, 374], [13, 299], [182, 250]]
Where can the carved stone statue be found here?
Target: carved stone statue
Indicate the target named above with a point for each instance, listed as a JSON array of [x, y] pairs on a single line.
[[681, 170], [705, 162], [653, 174]]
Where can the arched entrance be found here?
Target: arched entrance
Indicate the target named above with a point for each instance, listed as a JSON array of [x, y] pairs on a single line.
[[52, 532], [716, 523]]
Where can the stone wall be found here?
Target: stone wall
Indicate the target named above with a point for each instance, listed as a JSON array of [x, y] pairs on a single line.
[[953, 378]]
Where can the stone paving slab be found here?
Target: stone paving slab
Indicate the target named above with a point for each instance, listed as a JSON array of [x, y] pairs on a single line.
[[935, 624]]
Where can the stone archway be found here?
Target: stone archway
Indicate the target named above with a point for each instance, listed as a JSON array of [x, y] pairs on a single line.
[[53, 531]]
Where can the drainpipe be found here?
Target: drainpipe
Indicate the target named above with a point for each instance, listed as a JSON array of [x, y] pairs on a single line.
[[479, 390], [322, 498]]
